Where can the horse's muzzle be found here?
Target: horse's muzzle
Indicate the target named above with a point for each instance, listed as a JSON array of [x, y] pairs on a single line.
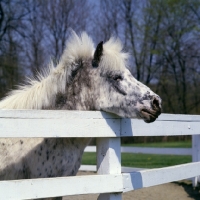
[[151, 114]]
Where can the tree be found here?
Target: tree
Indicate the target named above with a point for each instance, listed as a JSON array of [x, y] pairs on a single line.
[[177, 53], [106, 22], [34, 47], [59, 16], [12, 14], [142, 28]]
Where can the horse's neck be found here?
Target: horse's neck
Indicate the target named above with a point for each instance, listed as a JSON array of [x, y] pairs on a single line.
[[56, 91], [74, 98], [38, 95]]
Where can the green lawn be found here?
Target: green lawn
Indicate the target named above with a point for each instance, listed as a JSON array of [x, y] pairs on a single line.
[[147, 160], [182, 144]]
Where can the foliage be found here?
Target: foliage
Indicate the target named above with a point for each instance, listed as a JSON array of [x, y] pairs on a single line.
[[180, 144], [142, 160]]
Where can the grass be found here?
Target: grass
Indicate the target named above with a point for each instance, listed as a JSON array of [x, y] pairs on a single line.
[[147, 160], [182, 144]]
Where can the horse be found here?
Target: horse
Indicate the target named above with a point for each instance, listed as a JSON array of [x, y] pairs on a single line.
[[85, 78]]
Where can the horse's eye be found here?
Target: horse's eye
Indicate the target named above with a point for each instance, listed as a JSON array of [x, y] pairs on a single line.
[[117, 78]]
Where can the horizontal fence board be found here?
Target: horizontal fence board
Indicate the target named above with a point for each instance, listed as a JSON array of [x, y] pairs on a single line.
[[158, 151], [152, 177], [179, 117], [149, 150], [90, 149], [59, 127], [56, 114], [52, 123], [69, 114], [134, 127], [93, 168], [52, 187], [93, 128]]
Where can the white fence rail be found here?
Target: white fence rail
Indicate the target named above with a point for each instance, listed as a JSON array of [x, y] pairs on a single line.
[[107, 129], [149, 150]]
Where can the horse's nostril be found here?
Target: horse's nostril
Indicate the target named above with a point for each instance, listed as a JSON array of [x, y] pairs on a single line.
[[156, 102]]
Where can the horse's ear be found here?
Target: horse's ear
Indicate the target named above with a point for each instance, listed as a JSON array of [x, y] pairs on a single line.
[[97, 55]]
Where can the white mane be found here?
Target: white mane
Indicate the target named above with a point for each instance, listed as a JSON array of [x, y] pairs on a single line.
[[113, 55], [41, 93]]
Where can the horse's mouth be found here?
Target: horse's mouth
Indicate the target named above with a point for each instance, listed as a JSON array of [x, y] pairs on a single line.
[[149, 115]]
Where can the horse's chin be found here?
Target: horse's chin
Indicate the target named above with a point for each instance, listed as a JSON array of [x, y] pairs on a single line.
[[149, 115]]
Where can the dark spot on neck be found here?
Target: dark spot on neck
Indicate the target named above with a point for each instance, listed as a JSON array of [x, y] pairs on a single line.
[[60, 100]]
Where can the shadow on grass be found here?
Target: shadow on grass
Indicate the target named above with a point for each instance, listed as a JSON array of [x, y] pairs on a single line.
[[191, 191]]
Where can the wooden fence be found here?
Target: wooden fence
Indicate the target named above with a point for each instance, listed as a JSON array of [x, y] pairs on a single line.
[[108, 129]]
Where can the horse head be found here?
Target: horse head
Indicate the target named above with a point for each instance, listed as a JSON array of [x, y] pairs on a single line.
[[117, 91]]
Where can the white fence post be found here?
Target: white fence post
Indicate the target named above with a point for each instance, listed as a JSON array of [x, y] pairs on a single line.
[[109, 162], [196, 155]]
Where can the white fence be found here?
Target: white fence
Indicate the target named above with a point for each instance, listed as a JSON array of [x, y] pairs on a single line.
[[108, 129], [150, 150], [142, 150]]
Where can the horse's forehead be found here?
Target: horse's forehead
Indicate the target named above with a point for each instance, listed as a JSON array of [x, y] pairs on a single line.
[[132, 81]]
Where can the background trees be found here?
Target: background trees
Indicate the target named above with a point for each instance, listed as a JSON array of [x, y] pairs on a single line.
[[163, 39], [34, 31], [12, 14]]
